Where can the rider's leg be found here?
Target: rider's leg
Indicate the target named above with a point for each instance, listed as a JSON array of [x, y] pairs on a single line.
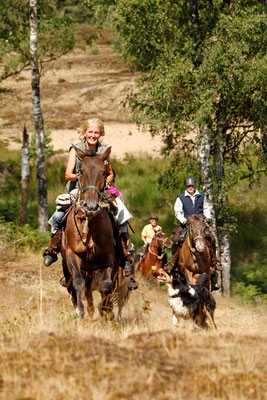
[[211, 242], [143, 250], [214, 285], [50, 253], [180, 236], [128, 250]]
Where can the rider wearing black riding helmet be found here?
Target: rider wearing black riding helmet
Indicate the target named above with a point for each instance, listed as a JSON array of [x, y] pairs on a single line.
[[190, 202]]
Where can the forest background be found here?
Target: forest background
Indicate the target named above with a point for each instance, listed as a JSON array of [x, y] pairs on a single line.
[[244, 170]]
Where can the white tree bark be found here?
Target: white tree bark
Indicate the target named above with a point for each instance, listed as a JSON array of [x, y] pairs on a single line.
[[38, 122], [203, 155], [25, 172], [224, 236]]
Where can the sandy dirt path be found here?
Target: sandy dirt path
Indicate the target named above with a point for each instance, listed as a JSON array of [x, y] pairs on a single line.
[[77, 87]]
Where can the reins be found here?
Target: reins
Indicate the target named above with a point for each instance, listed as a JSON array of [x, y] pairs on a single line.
[[155, 254], [79, 206]]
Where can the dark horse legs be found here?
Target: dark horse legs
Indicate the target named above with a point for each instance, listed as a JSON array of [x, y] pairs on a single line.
[[78, 282]]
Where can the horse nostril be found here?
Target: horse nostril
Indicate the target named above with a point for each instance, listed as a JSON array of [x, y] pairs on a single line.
[[96, 207]]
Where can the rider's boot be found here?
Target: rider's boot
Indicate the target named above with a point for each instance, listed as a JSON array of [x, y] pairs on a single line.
[[214, 260], [214, 285], [127, 247], [50, 253], [129, 274]]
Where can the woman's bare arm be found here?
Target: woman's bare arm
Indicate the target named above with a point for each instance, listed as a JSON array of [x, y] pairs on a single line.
[[109, 172], [69, 175]]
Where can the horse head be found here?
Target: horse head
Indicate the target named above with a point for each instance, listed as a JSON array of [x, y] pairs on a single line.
[[91, 179], [197, 232], [162, 240]]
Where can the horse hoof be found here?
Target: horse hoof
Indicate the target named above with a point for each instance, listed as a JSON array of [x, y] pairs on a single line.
[[79, 312], [132, 284], [63, 282], [48, 260]]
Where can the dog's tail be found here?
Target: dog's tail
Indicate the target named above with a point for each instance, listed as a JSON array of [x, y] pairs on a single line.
[[210, 318]]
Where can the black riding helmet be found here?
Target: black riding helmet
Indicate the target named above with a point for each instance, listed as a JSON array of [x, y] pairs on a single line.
[[190, 180]]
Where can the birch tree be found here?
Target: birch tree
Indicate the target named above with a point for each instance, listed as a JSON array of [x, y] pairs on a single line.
[[25, 173], [38, 121]]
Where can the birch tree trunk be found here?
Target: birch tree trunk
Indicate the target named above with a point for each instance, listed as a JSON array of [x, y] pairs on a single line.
[[38, 122], [224, 235], [25, 172], [203, 155]]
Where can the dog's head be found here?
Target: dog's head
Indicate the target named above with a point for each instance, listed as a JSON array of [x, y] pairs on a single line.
[[175, 278]]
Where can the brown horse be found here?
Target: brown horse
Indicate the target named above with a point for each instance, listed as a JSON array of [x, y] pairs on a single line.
[[194, 256], [153, 259], [87, 244]]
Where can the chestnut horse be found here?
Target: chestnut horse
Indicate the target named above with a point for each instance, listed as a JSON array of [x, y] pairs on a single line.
[[87, 244], [153, 258], [194, 256]]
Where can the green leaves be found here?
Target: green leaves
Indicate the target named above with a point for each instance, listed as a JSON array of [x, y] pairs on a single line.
[[56, 35]]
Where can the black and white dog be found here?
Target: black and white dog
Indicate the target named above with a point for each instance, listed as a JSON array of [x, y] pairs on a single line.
[[193, 302]]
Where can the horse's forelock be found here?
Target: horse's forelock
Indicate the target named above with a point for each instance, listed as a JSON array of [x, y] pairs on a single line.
[[90, 153]]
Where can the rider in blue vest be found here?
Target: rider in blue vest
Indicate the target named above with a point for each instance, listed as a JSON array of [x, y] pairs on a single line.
[[190, 202]]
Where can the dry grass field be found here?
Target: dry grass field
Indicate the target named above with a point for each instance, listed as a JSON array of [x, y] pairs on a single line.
[[46, 352]]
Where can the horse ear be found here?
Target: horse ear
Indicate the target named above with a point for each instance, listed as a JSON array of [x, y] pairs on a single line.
[[80, 153], [190, 218], [104, 156]]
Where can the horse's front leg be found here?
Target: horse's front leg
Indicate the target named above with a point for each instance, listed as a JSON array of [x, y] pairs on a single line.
[[89, 297], [106, 289], [106, 286], [69, 285], [74, 265]]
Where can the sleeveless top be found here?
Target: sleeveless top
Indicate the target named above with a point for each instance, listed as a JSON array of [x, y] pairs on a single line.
[[189, 208], [100, 148]]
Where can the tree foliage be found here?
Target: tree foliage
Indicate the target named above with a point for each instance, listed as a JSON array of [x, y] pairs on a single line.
[[55, 30], [202, 62]]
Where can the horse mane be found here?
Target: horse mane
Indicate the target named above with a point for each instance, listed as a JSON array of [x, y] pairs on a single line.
[[197, 217]]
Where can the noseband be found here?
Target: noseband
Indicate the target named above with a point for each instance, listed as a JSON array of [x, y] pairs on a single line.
[[156, 245]]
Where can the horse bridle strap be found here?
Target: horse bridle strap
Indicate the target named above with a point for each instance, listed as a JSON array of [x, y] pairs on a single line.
[[154, 254], [91, 187], [82, 190]]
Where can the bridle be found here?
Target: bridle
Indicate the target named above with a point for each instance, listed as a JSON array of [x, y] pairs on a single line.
[[82, 190], [157, 245], [80, 203], [193, 239]]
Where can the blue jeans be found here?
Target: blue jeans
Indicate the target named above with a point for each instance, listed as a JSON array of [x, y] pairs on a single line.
[[56, 220]]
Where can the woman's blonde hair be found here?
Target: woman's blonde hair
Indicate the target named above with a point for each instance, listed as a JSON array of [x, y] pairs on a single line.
[[89, 122]]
